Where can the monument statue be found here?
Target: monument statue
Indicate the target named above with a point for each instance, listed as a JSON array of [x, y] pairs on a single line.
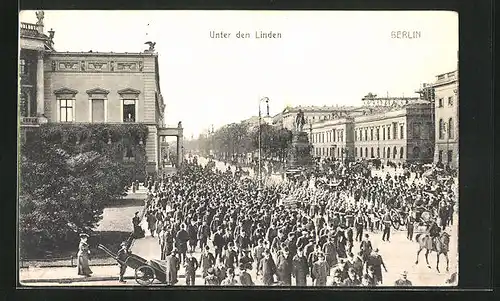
[[39, 15], [151, 46], [300, 121]]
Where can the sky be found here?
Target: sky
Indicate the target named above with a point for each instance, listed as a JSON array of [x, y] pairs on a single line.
[[322, 57]]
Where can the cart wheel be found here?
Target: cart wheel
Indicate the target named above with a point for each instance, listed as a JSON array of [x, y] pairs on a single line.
[[144, 275]]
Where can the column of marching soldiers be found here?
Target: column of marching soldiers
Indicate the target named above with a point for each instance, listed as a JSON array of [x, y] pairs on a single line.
[[242, 229]]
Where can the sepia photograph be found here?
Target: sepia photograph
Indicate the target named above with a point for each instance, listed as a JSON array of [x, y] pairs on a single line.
[[238, 148]]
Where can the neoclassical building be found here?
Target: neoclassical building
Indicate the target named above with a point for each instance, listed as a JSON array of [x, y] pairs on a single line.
[[91, 87], [446, 118], [396, 134]]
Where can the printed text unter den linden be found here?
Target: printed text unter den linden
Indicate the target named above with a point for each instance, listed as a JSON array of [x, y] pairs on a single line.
[[259, 34]]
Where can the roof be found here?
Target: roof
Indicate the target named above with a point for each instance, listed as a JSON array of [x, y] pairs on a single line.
[[319, 108], [96, 53]]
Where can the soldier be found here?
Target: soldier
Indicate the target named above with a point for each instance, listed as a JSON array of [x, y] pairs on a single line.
[[410, 224], [284, 267], [207, 261], [387, 227], [190, 266], [267, 268], [320, 270], [300, 268], [359, 224], [245, 278]]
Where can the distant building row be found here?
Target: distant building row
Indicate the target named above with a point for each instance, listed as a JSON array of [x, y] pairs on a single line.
[[391, 129]]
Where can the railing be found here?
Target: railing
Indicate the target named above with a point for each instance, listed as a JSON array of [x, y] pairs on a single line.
[[29, 26], [29, 121]]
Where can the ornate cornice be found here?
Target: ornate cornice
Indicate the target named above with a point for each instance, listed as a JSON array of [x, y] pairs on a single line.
[[129, 91], [98, 91], [65, 91]]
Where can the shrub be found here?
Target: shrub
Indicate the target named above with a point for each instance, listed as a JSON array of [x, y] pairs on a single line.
[[68, 175]]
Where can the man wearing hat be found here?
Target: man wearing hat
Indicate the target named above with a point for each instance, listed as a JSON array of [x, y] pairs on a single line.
[[210, 278], [207, 261], [190, 267], [267, 268], [300, 268], [83, 256], [284, 267], [320, 270], [122, 255], [403, 281], [245, 278]]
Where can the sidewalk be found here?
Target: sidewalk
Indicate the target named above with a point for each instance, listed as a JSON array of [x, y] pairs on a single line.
[[103, 268]]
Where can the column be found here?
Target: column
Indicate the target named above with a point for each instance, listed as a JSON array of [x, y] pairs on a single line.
[[40, 102], [179, 150]]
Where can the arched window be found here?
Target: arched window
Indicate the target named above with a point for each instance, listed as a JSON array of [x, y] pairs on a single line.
[[416, 152], [441, 129], [394, 152], [388, 153], [450, 128], [401, 152]]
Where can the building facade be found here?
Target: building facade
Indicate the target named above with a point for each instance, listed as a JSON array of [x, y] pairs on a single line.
[[401, 135], [446, 118], [333, 138], [91, 87], [313, 114], [404, 134]]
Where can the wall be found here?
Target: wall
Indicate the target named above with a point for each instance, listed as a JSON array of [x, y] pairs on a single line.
[[445, 113], [82, 80]]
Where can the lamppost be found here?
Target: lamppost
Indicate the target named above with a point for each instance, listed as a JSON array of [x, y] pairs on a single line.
[[264, 99], [311, 138]]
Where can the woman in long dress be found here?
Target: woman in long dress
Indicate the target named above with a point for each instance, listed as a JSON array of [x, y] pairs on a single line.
[[83, 257]]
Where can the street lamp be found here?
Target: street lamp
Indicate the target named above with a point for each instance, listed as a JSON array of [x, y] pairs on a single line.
[[264, 99]]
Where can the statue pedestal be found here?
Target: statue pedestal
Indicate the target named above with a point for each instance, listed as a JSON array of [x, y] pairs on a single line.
[[299, 154]]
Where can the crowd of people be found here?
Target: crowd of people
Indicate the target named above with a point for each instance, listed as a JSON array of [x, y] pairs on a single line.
[[319, 228]]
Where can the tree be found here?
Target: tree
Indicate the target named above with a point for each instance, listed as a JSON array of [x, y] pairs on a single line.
[[67, 176]]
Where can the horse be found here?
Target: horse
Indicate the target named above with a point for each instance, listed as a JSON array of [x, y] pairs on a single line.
[[441, 247]]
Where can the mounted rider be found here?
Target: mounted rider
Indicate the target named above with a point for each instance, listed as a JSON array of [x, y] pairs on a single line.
[[433, 230]]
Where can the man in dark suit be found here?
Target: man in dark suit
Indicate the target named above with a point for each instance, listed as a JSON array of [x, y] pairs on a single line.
[[122, 255]]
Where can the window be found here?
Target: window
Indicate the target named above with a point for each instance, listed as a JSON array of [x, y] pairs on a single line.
[[129, 110], [371, 134], [129, 155], [388, 134], [24, 104], [450, 101], [366, 134], [356, 135], [366, 151], [394, 131], [383, 152], [66, 110], [341, 136], [401, 130], [378, 152], [388, 153], [416, 130], [356, 151], [440, 103], [23, 68], [440, 156], [450, 156], [441, 129], [371, 153], [416, 152], [378, 134], [401, 152], [450, 128], [395, 153], [323, 138], [383, 133]]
